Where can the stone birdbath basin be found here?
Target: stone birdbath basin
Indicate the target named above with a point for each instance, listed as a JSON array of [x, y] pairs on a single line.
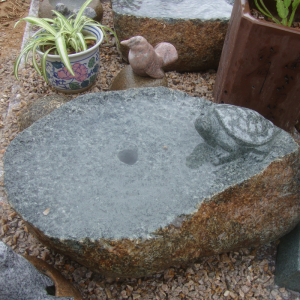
[[123, 182]]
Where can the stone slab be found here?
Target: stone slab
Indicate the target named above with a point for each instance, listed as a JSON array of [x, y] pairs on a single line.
[[196, 28], [288, 261], [124, 183], [39, 108], [19, 279]]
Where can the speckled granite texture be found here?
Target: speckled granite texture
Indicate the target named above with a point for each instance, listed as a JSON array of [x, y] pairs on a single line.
[[176, 9], [288, 261], [196, 28], [132, 187], [19, 279]]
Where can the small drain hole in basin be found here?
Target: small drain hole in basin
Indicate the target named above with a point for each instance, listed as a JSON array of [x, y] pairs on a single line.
[[128, 156]]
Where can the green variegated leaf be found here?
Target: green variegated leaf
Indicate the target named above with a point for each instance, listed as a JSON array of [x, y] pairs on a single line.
[[26, 57], [104, 28], [62, 50], [27, 48], [80, 26], [81, 41], [63, 21], [74, 44], [41, 41], [50, 21], [71, 20], [81, 10], [58, 22], [45, 39], [34, 62], [43, 64], [41, 23]]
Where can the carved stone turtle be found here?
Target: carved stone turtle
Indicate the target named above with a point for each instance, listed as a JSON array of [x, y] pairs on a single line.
[[233, 131]]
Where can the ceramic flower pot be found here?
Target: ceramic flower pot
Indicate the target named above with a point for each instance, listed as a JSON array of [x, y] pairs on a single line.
[[260, 66], [85, 65]]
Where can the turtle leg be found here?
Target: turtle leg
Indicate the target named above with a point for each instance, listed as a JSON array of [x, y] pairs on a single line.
[[221, 156], [258, 154], [200, 155]]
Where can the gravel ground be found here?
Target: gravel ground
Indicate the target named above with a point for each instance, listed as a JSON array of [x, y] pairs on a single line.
[[244, 274]]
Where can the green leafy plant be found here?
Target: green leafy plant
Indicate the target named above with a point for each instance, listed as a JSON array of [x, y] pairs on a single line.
[[61, 36], [282, 9]]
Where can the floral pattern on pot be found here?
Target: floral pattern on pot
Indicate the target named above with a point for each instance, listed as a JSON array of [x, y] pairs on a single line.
[[79, 69], [85, 73]]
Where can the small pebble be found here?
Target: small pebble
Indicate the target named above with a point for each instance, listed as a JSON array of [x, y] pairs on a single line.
[[46, 211]]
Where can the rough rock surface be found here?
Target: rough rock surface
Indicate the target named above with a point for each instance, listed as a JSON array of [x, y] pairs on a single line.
[[46, 7], [196, 28], [40, 108], [109, 180], [288, 261], [127, 79], [20, 279]]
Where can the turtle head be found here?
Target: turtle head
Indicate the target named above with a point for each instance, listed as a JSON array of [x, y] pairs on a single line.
[[204, 124]]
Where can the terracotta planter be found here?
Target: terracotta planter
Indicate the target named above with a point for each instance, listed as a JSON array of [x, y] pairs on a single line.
[[260, 67]]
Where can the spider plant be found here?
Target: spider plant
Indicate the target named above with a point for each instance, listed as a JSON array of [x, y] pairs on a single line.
[[59, 35], [282, 9]]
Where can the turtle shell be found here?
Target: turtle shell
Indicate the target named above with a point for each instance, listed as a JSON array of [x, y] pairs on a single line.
[[245, 125]]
